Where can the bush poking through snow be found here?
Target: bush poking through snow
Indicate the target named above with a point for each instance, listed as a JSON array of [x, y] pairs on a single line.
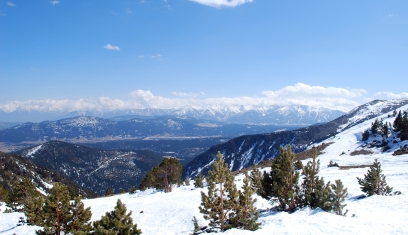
[[116, 222], [199, 181], [333, 164], [374, 182], [339, 194]]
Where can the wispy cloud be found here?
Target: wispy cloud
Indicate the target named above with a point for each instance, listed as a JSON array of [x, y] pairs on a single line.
[[10, 4], [129, 11], [55, 2], [222, 3], [156, 57], [183, 94], [110, 47], [300, 94], [390, 95]]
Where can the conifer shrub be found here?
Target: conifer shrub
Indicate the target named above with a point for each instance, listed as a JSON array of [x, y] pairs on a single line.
[[374, 181], [316, 193], [338, 196], [199, 181], [116, 222]]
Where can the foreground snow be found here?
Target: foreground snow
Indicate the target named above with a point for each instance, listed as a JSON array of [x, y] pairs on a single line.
[[172, 213]]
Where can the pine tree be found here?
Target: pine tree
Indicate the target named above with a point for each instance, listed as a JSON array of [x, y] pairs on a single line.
[[80, 221], [116, 222], [168, 173], [163, 176], [196, 226], [339, 194], [315, 192], [187, 181], [149, 181], [256, 179], [56, 211], [199, 181], [33, 210], [375, 126], [384, 130], [267, 186], [397, 122], [22, 192], [109, 192], [246, 213], [3, 194], [374, 182], [365, 135], [218, 205], [285, 186]]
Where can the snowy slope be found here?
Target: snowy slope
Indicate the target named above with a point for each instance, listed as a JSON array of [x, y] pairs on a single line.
[[172, 213]]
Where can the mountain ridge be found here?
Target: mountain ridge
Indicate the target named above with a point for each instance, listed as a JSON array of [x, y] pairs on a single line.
[[243, 151]]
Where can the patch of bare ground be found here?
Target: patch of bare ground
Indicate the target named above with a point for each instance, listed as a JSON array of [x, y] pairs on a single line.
[[361, 152], [299, 156], [350, 167], [401, 151]]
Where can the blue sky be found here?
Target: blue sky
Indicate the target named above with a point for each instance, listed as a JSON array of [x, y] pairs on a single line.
[[100, 54]]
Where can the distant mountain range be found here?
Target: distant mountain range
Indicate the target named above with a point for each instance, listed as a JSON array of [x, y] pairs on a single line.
[[91, 168], [99, 129], [243, 151], [238, 114]]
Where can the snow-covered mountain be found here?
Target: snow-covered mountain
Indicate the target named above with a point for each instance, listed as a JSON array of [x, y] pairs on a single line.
[[243, 151], [238, 114], [156, 212]]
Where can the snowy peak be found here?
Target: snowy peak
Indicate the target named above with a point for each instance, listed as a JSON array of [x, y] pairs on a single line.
[[371, 110], [243, 151]]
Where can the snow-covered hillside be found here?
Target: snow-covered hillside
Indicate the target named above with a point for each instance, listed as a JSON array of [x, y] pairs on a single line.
[[172, 213]]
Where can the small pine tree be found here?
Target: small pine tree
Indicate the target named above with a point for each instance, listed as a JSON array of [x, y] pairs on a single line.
[[339, 194], [316, 192], [246, 214], [375, 126], [365, 135], [22, 193], [56, 211], [219, 203], [384, 131], [199, 181], [285, 186], [187, 181], [267, 189], [79, 223], [108, 192], [116, 222], [196, 226], [374, 182], [256, 179], [33, 210]]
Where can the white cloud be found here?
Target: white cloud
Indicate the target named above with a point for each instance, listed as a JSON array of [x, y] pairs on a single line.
[[222, 3], [128, 10], [299, 94], [183, 94], [55, 2], [110, 47], [390, 95], [10, 4], [157, 57]]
